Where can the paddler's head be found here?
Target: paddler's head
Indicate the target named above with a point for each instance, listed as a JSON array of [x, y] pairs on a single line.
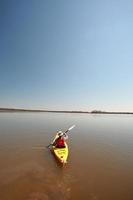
[[60, 133]]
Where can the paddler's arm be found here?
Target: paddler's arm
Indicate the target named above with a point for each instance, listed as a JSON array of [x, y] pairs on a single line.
[[65, 136]]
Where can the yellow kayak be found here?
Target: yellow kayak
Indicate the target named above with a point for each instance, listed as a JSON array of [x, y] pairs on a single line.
[[61, 153]]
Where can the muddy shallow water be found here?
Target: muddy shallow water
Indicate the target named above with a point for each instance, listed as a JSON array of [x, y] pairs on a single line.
[[100, 163]]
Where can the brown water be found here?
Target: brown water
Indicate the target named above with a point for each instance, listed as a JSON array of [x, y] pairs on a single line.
[[100, 164]]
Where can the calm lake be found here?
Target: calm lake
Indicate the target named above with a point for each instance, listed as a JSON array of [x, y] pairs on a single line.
[[100, 163]]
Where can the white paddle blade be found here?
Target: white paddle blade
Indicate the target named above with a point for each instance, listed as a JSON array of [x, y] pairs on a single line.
[[71, 127]]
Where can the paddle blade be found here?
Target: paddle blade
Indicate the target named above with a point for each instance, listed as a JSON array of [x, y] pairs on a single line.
[[71, 127]]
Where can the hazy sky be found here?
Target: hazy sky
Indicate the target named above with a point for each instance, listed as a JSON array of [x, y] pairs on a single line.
[[66, 54]]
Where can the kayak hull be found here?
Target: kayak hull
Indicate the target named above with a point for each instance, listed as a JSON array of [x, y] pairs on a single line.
[[61, 153]]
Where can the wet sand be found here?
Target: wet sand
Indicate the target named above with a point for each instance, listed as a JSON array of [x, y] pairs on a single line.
[[101, 169]]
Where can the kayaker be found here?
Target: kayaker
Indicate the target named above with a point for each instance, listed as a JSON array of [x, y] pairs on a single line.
[[60, 141]]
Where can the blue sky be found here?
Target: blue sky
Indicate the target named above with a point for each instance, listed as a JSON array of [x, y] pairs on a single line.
[[72, 55]]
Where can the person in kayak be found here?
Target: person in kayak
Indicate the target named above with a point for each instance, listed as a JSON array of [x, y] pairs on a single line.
[[60, 141]]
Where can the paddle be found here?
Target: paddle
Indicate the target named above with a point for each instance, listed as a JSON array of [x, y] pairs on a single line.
[[63, 134]]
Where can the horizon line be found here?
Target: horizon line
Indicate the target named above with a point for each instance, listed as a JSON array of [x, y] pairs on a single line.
[[6, 109]]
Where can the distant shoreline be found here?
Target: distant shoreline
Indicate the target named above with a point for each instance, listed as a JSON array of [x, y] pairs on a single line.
[[38, 110], [60, 111]]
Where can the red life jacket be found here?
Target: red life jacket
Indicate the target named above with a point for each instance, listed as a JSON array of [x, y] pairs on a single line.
[[60, 143]]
